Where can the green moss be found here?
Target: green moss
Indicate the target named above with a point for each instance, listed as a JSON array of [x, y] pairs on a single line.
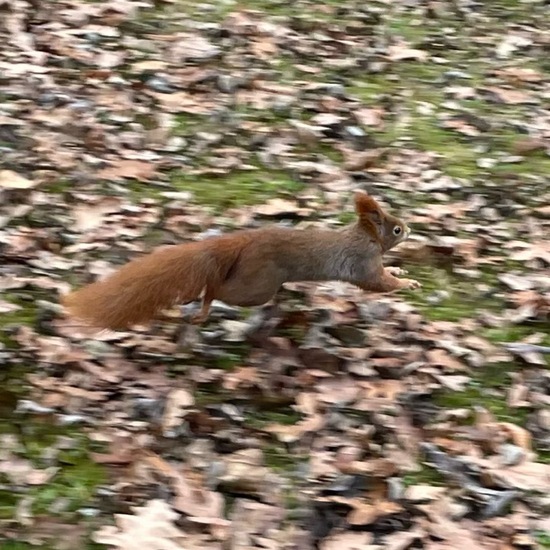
[[516, 333], [237, 188], [212, 395], [408, 27], [186, 124], [371, 88], [57, 187], [532, 165], [346, 218], [425, 476], [25, 316], [486, 389], [543, 538], [228, 361], [77, 478], [445, 296], [296, 333], [279, 459], [77, 482], [285, 416], [78, 475]]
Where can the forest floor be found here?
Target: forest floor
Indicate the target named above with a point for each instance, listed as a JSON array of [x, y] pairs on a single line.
[[345, 420]]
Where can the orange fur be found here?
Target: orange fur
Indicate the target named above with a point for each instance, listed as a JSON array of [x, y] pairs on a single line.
[[139, 290], [245, 268]]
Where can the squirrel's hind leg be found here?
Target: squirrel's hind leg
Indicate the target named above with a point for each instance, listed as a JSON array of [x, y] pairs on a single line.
[[200, 317]]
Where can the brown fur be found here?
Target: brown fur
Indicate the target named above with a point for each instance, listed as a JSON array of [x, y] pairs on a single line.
[[245, 268]]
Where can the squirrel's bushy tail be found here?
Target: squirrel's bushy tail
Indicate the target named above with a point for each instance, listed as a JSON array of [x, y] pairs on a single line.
[[140, 289]]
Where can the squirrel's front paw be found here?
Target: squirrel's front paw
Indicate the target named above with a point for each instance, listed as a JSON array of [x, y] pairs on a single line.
[[396, 271], [410, 284]]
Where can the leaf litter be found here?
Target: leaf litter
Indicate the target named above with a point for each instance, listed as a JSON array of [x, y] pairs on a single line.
[[334, 419]]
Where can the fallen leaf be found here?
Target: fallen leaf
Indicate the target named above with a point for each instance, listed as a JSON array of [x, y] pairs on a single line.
[[403, 51], [12, 180], [152, 526], [178, 403], [128, 169], [509, 97], [91, 215]]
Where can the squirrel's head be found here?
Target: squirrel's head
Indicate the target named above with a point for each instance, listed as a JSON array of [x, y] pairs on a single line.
[[384, 228]]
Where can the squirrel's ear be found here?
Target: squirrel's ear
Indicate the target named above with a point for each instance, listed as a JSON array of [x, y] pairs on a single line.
[[368, 210]]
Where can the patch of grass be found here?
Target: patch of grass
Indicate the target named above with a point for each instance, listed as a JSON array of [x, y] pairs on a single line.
[[447, 297], [489, 384], [533, 165], [76, 481], [371, 88], [25, 316], [487, 389], [406, 26], [56, 187], [187, 123], [259, 419], [228, 361], [237, 188], [279, 459], [543, 538], [77, 478], [78, 475], [516, 333], [138, 191], [425, 476], [211, 395], [457, 158]]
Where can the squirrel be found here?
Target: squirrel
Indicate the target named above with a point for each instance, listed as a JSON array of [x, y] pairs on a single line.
[[245, 268]]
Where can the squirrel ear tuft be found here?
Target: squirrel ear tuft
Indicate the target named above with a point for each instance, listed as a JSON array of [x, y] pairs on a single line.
[[369, 214], [367, 207]]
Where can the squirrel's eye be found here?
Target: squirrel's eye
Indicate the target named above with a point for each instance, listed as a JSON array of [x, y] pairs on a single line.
[[397, 230]]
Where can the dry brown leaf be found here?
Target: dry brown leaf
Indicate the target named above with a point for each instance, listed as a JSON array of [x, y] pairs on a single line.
[[264, 48], [151, 527], [178, 403], [8, 307], [349, 541], [440, 358], [525, 476], [194, 46], [128, 169], [509, 97], [12, 180], [366, 514], [520, 74], [370, 116], [240, 377], [289, 434], [184, 102], [193, 499], [424, 493], [520, 436], [281, 207], [91, 215], [359, 161], [403, 51], [530, 145]]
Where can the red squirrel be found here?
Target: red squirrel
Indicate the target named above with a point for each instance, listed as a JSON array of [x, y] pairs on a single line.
[[245, 268]]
